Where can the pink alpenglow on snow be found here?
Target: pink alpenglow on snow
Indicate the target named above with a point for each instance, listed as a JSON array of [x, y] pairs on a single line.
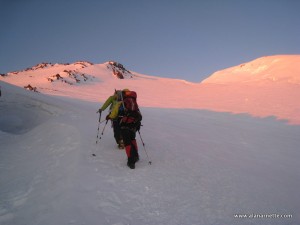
[[267, 86]]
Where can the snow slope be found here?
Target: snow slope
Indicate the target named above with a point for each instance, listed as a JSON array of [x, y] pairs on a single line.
[[268, 86], [263, 87], [278, 68], [206, 166]]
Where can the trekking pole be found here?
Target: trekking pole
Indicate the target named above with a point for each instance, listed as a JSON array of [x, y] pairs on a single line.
[[102, 121], [144, 148], [103, 129], [93, 154], [98, 127], [98, 130]]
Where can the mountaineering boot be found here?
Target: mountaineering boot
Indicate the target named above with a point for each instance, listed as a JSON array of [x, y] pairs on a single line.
[[131, 154], [131, 163]]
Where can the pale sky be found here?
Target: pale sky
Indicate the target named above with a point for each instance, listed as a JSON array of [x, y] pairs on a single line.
[[187, 39]]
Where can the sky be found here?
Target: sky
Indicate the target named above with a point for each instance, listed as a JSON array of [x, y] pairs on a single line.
[[184, 39]]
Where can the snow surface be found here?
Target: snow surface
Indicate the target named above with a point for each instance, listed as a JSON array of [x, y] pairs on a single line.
[[206, 166]]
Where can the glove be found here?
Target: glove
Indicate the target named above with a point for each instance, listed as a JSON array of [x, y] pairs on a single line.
[[107, 117], [99, 111], [138, 126]]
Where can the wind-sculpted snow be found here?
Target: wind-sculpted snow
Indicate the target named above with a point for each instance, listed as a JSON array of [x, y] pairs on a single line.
[[21, 114], [18, 118]]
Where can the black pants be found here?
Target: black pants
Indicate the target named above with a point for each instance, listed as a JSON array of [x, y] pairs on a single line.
[[117, 130]]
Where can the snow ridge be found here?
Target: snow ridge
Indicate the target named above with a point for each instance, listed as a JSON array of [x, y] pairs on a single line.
[[279, 68]]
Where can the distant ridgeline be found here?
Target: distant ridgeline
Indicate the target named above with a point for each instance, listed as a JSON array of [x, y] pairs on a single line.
[[70, 73]]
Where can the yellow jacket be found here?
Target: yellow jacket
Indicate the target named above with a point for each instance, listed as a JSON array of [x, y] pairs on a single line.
[[115, 110], [111, 101]]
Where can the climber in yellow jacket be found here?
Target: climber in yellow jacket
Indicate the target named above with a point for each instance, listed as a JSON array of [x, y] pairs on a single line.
[[114, 102]]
